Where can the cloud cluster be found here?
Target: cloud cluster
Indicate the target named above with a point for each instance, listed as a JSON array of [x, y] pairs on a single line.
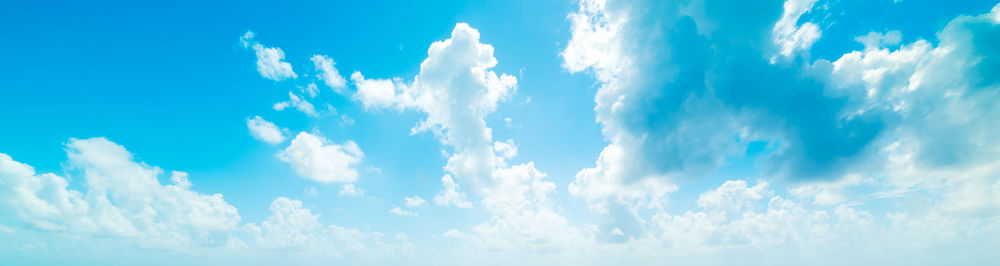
[[456, 90], [124, 200], [299, 103], [685, 87]]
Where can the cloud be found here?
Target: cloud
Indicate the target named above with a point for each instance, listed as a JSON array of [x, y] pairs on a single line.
[[310, 89], [450, 195], [942, 104], [351, 190], [400, 212], [269, 59], [414, 201], [123, 198], [328, 73], [264, 130], [293, 227], [788, 34], [295, 101], [122, 205], [456, 89], [317, 159], [685, 88], [379, 93]]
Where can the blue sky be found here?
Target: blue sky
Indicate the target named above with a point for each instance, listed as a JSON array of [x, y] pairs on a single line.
[[500, 132]]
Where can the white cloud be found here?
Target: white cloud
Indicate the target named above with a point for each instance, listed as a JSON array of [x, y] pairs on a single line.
[[295, 101], [400, 212], [875, 40], [827, 192], [293, 227], [450, 195], [328, 73], [506, 150], [456, 90], [944, 113], [269, 59], [123, 198], [665, 105], [123, 205], [316, 158], [788, 34], [264, 130], [414, 201], [379, 93], [351, 190], [310, 89]]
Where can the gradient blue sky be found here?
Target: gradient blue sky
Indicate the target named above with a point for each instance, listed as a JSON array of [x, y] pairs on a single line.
[[654, 132]]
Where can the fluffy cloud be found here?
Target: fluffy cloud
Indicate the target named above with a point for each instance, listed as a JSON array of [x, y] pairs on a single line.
[[124, 204], [351, 190], [328, 73], [943, 113], [293, 227], [264, 130], [450, 195], [685, 87], [456, 90], [123, 198], [316, 158], [269, 59]]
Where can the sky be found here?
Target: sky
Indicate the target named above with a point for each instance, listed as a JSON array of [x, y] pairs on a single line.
[[546, 132]]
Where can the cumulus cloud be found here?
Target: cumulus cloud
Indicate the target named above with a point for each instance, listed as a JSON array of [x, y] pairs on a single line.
[[123, 198], [293, 227], [316, 158], [122, 203], [456, 90], [270, 62], [328, 73], [264, 130], [684, 88]]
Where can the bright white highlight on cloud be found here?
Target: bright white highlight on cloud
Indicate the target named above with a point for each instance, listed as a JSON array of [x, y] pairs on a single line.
[[264, 130], [316, 158], [270, 62], [328, 73]]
